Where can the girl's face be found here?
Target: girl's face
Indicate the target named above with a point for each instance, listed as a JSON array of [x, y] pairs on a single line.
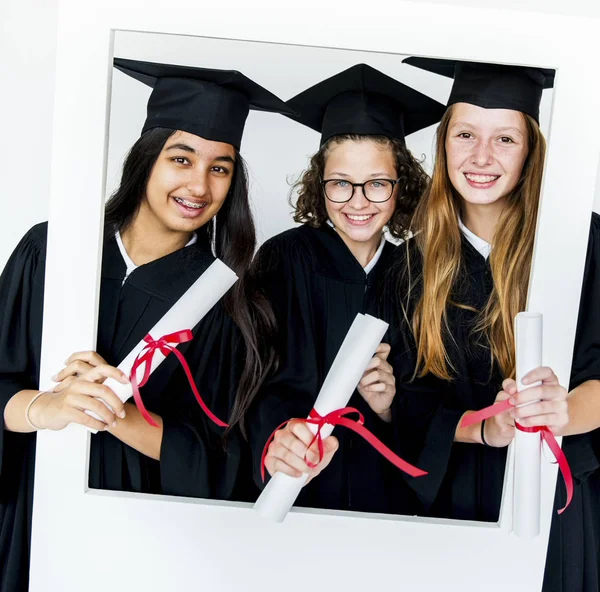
[[351, 161], [486, 150], [188, 183]]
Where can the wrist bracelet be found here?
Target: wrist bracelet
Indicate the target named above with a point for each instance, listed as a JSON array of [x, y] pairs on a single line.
[[482, 433], [27, 418]]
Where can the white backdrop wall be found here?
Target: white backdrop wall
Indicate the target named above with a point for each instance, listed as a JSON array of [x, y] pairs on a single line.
[[27, 67], [276, 148], [27, 56], [28, 186]]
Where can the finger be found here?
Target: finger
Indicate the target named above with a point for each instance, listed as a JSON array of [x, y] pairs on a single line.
[[374, 362], [288, 457], [76, 368], [63, 385], [537, 393], [291, 442], [274, 465], [377, 376], [543, 373], [383, 351], [541, 420], [330, 446], [99, 391], [501, 396], [90, 357], [510, 386], [540, 408], [96, 373], [82, 403], [84, 419], [301, 430], [378, 387]]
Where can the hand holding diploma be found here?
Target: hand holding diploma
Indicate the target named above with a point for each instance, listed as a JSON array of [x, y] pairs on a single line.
[[378, 384], [75, 396], [542, 405], [329, 410], [289, 452]]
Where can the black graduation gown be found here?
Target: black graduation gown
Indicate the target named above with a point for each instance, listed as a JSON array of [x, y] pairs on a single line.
[[465, 480], [317, 288], [193, 461]]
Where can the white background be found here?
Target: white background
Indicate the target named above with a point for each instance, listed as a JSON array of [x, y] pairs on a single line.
[[276, 148], [218, 551], [27, 66]]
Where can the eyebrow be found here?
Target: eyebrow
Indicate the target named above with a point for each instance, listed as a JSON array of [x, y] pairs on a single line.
[[188, 148], [372, 175], [466, 125]]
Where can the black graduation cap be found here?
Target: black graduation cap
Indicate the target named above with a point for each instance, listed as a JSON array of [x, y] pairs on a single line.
[[491, 86], [363, 100], [213, 104]]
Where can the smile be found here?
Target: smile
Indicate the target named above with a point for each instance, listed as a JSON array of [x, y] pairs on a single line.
[[481, 178], [190, 204], [356, 218]]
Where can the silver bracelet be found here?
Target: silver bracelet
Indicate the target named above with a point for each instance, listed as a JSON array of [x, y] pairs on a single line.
[[27, 418]]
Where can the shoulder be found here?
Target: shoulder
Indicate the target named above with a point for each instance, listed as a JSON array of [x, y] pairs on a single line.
[[293, 246], [33, 243], [595, 227], [37, 237]]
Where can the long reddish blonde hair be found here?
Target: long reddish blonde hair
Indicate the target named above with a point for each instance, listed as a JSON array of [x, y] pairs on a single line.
[[439, 240]]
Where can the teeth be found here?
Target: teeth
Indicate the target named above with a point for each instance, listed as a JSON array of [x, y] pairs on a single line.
[[359, 218], [189, 204], [481, 178]]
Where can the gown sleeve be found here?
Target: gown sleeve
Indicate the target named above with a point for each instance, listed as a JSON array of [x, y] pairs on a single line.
[[583, 450], [283, 269], [21, 302], [193, 460]]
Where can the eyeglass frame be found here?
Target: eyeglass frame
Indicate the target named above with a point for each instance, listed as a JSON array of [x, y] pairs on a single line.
[[362, 186]]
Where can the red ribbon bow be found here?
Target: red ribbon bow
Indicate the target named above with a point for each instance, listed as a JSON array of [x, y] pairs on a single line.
[[166, 344], [336, 418], [546, 435]]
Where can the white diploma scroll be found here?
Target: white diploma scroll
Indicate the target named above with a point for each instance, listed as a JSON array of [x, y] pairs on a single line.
[[527, 465], [186, 313], [345, 373]]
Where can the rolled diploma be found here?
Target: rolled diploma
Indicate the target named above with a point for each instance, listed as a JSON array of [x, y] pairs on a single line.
[[527, 471], [345, 373], [186, 313]]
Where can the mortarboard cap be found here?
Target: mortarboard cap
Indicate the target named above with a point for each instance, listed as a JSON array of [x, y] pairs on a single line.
[[363, 100], [491, 86], [213, 104]]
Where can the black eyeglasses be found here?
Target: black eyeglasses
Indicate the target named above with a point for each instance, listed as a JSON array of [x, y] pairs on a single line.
[[375, 190]]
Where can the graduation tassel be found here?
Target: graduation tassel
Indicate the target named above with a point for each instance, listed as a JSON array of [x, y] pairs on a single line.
[[338, 418], [166, 345]]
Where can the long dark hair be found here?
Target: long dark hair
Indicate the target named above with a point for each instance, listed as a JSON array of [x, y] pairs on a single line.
[[232, 235]]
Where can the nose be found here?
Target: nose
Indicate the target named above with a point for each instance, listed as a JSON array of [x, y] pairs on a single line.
[[482, 154], [358, 200], [197, 183]]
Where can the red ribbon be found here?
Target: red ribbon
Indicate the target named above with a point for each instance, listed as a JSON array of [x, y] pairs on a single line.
[[546, 435], [336, 418], [166, 344]]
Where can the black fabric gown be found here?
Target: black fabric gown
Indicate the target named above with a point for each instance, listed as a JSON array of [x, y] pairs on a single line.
[[317, 287], [465, 481], [193, 459]]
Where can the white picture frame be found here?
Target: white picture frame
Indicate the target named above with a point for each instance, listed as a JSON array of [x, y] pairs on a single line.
[[130, 541]]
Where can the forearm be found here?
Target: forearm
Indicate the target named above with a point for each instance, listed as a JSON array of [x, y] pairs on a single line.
[[14, 412], [584, 409], [136, 432], [469, 435]]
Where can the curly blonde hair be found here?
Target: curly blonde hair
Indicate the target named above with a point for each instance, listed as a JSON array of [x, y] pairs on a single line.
[[413, 181]]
